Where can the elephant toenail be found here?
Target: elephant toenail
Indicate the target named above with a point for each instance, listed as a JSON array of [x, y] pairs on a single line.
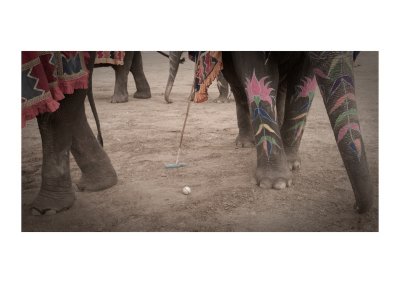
[[279, 185]]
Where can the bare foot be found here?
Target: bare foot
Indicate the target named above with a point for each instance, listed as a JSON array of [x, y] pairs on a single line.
[[143, 94], [269, 178], [50, 202], [119, 98], [293, 160], [97, 182]]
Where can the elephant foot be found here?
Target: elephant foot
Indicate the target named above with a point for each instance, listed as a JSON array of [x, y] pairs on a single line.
[[143, 94], [221, 99], [294, 162], [97, 182], [51, 202], [119, 98], [243, 140], [168, 100], [268, 178], [363, 208]]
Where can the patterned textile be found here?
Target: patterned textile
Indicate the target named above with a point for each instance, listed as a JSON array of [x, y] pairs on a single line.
[[110, 57], [208, 67], [47, 76]]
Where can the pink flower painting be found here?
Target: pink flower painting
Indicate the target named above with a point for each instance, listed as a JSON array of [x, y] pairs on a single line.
[[258, 90]]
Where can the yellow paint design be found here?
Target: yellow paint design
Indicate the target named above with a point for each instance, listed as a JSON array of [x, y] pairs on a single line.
[[299, 117], [268, 128]]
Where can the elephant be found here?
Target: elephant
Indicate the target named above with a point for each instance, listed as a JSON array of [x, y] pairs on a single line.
[[273, 93], [273, 120], [132, 63], [63, 131], [174, 60]]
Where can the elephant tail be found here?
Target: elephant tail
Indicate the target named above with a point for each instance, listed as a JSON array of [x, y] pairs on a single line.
[[91, 99]]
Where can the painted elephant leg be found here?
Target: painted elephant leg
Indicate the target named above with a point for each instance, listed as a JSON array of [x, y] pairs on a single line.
[[245, 137], [142, 86], [56, 191], [97, 170], [261, 83], [280, 100], [301, 88], [174, 57], [223, 88], [334, 73]]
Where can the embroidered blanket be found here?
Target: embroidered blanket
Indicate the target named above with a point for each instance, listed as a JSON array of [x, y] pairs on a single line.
[[208, 66], [110, 57], [48, 76]]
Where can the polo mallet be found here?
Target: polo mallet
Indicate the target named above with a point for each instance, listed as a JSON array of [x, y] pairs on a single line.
[[177, 164]]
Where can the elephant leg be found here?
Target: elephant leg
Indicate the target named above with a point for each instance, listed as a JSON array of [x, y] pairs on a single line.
[[281, 100], [174, 57], [142, 86], [121, 79], [223, 88], [334, 74], [301, 88], [97, 170], [245, 137], [260, 78], [56, 191]]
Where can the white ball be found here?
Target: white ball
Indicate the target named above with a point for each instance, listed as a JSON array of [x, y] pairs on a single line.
[[186, 190]]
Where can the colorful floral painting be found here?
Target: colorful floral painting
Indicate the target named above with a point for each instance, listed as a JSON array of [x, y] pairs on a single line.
[[259, 92]]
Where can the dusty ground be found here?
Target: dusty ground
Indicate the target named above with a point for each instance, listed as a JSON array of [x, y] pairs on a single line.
[[141, 135]]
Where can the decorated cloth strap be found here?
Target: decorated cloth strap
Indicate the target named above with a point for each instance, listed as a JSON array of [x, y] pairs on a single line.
[[110, 57], [47, 76], [208, 67]]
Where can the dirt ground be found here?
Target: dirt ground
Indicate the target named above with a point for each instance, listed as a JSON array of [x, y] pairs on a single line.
[[142, 135]]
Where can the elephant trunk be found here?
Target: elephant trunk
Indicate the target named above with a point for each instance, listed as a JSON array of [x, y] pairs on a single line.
[[174, 60]]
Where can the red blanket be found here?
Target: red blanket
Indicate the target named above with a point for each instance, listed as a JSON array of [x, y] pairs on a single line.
[[110, 57], [47, 76], [208, 67]]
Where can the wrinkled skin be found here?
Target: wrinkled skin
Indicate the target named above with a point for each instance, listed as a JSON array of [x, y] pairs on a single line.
[[132, 63], [64, 131], [273, 93], [174, 61]]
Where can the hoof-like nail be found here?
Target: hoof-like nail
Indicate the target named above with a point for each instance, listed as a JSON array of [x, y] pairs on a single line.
[[279, 185]]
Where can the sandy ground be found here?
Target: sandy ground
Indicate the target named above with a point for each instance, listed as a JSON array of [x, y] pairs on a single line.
[[141, 135]]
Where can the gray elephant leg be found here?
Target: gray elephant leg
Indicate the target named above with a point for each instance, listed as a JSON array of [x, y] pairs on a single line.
[[301, 88], [121, 79], [97, 170], [334, 74], [245, 137], [223, 88], [56, 191], [174, 57], [260, 77], [142, 86]]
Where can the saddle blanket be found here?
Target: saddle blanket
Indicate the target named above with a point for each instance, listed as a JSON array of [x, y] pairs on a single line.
[[47, 76], [208, 66], [110, 57]]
